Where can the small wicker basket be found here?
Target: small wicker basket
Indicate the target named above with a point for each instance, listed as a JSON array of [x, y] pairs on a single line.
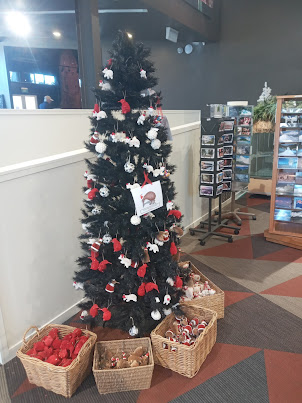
[[125, 379], [186, 360], [61, 380], [214, 302]]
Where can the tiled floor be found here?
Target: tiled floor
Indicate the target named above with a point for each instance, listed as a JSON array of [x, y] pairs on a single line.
[[258, 354]]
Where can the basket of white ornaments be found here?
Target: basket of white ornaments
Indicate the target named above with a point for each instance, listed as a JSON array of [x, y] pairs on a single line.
[[201, 291]]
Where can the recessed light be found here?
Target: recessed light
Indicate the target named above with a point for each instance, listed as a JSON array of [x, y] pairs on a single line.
[[57, 34], [18, 23], [180, 51], [129, 35], [188, 49]]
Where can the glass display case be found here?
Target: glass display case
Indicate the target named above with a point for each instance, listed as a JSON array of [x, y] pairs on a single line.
[[262, 155]]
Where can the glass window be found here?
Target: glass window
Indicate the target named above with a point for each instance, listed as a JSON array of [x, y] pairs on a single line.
[[39, 78], [27, 78], [17, 101], [50, 80], [14, 76], [30, 102]]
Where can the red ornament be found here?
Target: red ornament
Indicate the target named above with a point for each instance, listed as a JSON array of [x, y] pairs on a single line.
[[109, 62], [141, 291], [92, 193], [176, 213], [96, 108], [110, 286], [141, 272], [103, 265], [117, 246], [53, 359], [89, 183], [178, 282], [106, 314], [151, 286], [173, 249], [125, 106], [94, 264], [94, 310]]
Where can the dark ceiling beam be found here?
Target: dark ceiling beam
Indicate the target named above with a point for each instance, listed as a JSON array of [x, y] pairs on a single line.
[[187, 15]]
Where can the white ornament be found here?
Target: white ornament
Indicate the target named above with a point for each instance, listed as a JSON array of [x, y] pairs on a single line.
[[135, 220], [153, 247], [141, 119], [266, 93], [149, 168], [169, 205], [83, 315], [86, 227], [104, 191], [129, 167], [78, 286], [167, 299], [143, 73], [125, 261], [149, 215], [104, 86], [91, 241], [107, 238], [108, 73], [167, 311], [151, 111], [160, 243], [155, 315], [189, 292], [212, 292], [96, 210], [130, 297], [155, 144], [156, 172], [101, 115], [157, 300], [129, 186], [100, 147], [162, 171], [152, 133], [134, 142], [133, 331], [170, 281]]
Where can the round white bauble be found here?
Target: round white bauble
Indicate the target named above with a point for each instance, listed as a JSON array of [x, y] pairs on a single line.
[[129, 167], [96, 210], [167, 311], [100, 147], [152, 133], [155, 144], [157, 300], [104, 191], [155, 315], [135, 220], [107, 238], [133, 331]]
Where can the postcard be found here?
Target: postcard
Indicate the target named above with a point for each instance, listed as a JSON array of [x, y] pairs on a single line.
[[241, 178], [242, 169], [287, 163], [207, 178], [228, 150], [208, 140], [245, 121], [288, 138], [296, 217], [220, 165], [207, 165], [243, 140], [219, 177], [220, 140], [298, 203], [207, 153], [228, 138], [227, 174], [243, 159], [206, 190], [219, 190], [243, 150], [298, 190], [288, 150], [283, 202], [228, 125], [227, 185], [282, 215], [246, 131], [220, 152], [227, 162], [286, 177]]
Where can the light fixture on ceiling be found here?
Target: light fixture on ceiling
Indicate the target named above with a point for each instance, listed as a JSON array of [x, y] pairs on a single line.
[[18, 23], [188, 49], [171, 34], [180, 51], [57, 34], [129, 35]]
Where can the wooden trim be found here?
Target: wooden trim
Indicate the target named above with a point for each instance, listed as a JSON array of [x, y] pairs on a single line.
[[288, 96]]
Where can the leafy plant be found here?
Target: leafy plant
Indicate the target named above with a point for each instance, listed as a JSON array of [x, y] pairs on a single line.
[[265, 111]]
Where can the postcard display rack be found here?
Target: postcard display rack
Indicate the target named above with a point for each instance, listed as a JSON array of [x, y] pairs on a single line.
[[286, 199], [216, 139]]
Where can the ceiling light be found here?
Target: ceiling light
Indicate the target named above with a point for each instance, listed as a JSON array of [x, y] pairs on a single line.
[[18, 23], [180, 51], [129, 35], [57, 34], [188, 49]]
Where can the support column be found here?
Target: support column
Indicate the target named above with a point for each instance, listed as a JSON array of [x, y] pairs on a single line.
[[4, 85], [89, 48]]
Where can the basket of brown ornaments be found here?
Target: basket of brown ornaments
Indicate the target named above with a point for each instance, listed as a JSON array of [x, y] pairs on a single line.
[[199, 290], [58, 357], [183, 342], [123, 365]]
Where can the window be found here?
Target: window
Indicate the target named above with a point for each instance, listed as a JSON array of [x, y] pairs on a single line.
[[50, 80], [34, 78], [39, 78], [25, 102], [14, 76]]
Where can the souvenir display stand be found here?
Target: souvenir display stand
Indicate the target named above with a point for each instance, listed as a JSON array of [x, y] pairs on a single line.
[[286, 199], [212, 175]]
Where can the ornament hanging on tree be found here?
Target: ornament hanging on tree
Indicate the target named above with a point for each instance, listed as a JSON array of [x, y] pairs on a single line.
[[104, 86], [110, 286], [104, 191], [173, 249], [178, 282], [153, 247], [141, 272], [149, 168], [83, 315], [129, 167], [141, 291], [133, 331], [106, 314], [94, 310], [151, 111], [78, 286], [155, 315], [94, 139], [96, 110], [100, 147], [152, 133], [155, 144], [129, 186], [151, 286], [135, 220], [101, 115], [176, 213], [86, 227], [134, 142], [170, 281], [141, 119], [167, 299], [107, 238], [125, 106], [96, 210], [96, 245], [169, 205], [167, 311], [156, 172], [117, 246], [146, 258], [108, 73], [92, 194], [130, 297], [166, 235], [103, 265], [125, 261], [143, 73]]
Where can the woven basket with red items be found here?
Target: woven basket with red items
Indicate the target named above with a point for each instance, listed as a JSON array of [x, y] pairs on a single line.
[[58, 357]]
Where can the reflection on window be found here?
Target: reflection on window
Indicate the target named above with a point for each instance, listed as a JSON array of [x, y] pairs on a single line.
[[17, 101], [39, 78], [50, 80], [14, 76]]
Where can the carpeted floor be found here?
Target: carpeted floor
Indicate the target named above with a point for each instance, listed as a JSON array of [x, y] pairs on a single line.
[[258, 354]]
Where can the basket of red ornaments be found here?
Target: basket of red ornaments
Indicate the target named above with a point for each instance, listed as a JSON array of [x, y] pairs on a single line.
[[199, 290], [58, 357], [182, 342]]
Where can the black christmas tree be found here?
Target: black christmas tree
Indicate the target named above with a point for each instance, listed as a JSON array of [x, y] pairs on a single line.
[[129, 270]]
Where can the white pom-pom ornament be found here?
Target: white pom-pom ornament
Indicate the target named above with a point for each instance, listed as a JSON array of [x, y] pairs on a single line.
[[155, 144], [133, 331], [129, 167], [135, 220], [167, 311], [104, 191], [100, 147], [107, 238], [155, 315], [152, 133]]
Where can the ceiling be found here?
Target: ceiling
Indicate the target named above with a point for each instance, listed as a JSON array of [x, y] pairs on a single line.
[[47, 16]]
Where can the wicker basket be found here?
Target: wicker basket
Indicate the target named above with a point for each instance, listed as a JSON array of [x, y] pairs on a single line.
[[262, 126], [125, 379], [61, 380], [214, 302], [186, 360]]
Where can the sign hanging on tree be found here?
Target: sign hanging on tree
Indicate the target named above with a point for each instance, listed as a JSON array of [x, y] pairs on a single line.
[[147, 198]]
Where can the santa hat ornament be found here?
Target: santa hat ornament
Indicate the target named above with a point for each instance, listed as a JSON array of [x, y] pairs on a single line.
[[110, 286], [143, 73], [96, 245], [133, 331], [83, 315], [108, 73], [125, 106], [94, 139], [96, 110]]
